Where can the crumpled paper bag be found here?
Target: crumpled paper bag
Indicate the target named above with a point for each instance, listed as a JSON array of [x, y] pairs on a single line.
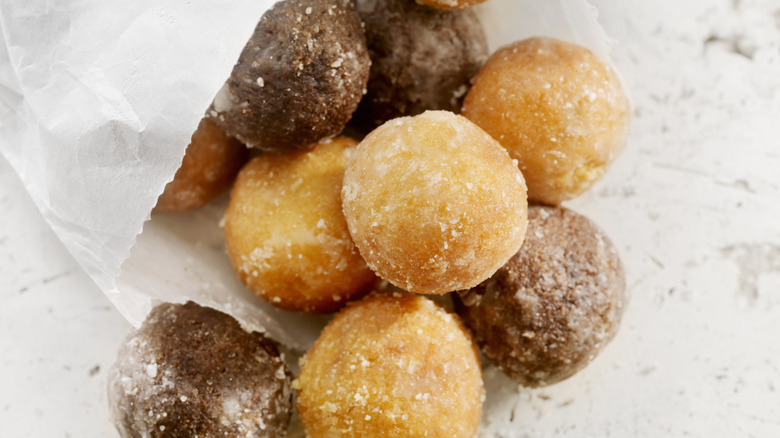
[[98, 101]]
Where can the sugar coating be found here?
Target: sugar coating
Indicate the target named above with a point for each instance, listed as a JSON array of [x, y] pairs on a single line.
[[391, 365], [548, 312], [286, 234], [559, 110], [209, 167], [421, 59], [299, 78], [451, 4], [434, 203], [192, 371]]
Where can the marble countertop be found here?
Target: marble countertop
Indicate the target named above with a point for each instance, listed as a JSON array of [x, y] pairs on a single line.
[[693, 206]]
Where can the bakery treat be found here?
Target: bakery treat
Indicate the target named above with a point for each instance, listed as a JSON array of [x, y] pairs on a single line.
[[193, 371], [286, 234], [299, 78], [210, 165], [545, 314], [434, 203], [421, 59], [451, 4], [391, 365], [560, 111]]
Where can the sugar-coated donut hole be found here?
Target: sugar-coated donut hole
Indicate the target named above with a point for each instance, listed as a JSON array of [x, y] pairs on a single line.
[[210, 165], [434, 203], [299, 78], [193, 371], [421, 59], [391, 365], [286, 234], [552, 308], [557, 108]]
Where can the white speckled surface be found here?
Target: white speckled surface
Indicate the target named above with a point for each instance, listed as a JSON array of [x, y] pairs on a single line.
[[692, 205]]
